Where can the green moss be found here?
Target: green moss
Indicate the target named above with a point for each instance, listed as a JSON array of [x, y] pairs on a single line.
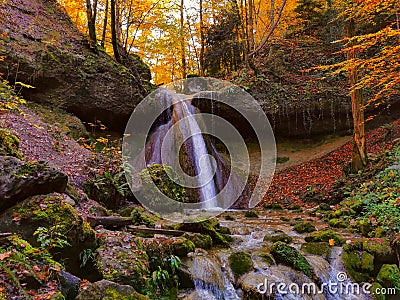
[[359, 265], [324, 207], [304, 226], [250, 214], [203, 241], [325, 236], [210, 227], [140, 216], [31, 169], [291, 257], [58, 296], [112, 294], [267, 258], [240, 263], [294, 207], [389, 276], [377, 295], [338, 223], [73, 192], [229, 218], [281, 237], [322, 249], [182, 246], [9, 144]]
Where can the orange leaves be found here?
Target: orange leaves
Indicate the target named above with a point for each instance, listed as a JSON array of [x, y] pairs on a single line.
[[4, 255]]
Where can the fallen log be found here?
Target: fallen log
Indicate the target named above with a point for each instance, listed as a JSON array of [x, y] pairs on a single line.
[[109, 221], [140, 229]]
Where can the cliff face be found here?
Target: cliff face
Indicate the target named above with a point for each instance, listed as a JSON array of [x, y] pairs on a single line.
[[42, 47]]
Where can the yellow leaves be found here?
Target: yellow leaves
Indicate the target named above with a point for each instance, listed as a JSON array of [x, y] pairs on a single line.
[[331, 242]]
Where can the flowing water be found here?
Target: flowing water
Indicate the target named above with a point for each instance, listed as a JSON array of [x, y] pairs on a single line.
[[213, 277]]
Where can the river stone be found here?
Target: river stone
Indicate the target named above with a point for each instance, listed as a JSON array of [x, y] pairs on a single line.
[[105, 289], [20, 180]]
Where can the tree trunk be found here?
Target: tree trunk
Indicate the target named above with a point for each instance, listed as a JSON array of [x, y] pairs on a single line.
[[271, 24], [114, 39], [182, 37], [359, 154], [202, 39], [251, 26], [103, 38], [91, 12]]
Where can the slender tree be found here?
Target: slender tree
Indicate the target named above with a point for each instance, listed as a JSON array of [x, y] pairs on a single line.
[[114, 37], [91, 11], [103, 37], [182, 39]]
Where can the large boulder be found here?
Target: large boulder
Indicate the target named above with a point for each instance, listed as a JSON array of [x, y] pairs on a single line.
[[20, 180], [43, 48], [105, 289]]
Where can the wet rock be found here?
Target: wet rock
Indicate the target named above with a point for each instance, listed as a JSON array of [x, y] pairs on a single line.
[[291, 257], [325, 236], [122, 258], [280, 237], [303, 227], [249, 283], [20, 180], [321, 249], [108, 290], [203, 241], [181, 246], [69, 285], [240, 263]]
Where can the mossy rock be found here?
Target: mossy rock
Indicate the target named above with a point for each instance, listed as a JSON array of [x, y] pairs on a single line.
[[240, 263], [108, 290], [229, 218], [55, 215], [210, 227], [290, 257], [325, 236], [141, 216], [324, 207], [203, 241], [364, 226], [122, 258], [375, 287], [281, 237], [9, 144], [389, 276], [304, 226], [295, 207], [359, 265], [338, 223], [321, 249], [250, 214], [267, 258], [181, 246]]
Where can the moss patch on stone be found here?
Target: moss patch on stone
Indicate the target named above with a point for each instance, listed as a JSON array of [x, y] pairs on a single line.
[[203, 241], [325, 236], [359, 265], [304, 226], [389, 276], [281, 237], [9, 144], [240, 263], [250, 214], [291, 257], [338, 223], [321, 249]]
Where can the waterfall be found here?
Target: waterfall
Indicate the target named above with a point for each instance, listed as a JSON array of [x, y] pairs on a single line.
[[203, 166]]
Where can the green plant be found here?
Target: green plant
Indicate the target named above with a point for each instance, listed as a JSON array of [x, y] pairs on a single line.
[[164, 276], [51, 237], [86, 255]]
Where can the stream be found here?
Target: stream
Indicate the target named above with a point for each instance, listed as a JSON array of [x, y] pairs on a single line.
[[213, 277]]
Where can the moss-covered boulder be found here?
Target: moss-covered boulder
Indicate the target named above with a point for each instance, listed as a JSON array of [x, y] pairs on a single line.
[[181, 246], [325, 236], [108, 290], [9, 144], [389, 276], [203, 241], [141, 216], [49, 221], [303, 227], [24, 267], [322, 249], [338, 223], [291, 257], [376, 293], [279, 237], [210, 227], [240, 263], [364, 226], [122, 258], [359, 265], [20, 180]]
